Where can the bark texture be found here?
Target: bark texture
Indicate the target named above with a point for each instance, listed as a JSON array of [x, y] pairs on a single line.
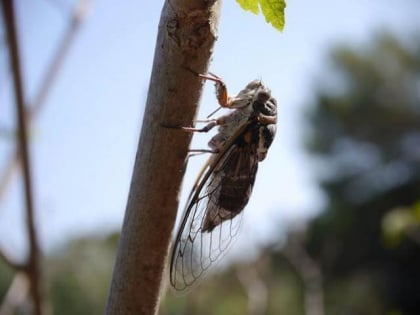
[[187, 32]]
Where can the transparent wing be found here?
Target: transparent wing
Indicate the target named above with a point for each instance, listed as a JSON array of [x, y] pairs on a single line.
[[207, 228]]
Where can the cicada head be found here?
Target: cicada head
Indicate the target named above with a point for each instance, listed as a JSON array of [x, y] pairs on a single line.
[[264, 103], [253, 85]]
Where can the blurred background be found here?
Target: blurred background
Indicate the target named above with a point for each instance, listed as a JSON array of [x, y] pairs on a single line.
[[333, 225]]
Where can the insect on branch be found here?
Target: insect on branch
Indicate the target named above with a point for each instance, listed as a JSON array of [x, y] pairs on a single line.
[[212, 215]]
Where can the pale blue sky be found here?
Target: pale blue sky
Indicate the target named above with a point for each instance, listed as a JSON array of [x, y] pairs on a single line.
[[84, 141]]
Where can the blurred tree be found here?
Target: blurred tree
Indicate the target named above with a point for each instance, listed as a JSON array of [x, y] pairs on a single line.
[[79, 275], [267, 286], [366, 133]]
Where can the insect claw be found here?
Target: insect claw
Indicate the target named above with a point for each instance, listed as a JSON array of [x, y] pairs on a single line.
[[211, 77], [191, 129]]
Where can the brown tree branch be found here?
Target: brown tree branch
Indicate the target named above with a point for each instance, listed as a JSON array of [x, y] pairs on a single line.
[[33, 267], [187, 32], [77, 18]]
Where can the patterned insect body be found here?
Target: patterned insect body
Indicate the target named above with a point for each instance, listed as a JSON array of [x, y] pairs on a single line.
[[212, 215]]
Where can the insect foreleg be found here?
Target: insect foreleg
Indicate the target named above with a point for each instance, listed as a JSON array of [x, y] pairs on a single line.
[[221, 89]]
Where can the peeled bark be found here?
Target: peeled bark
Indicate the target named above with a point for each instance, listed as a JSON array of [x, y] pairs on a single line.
[[187, 32]]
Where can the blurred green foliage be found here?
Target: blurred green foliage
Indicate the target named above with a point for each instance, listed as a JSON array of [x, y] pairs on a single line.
[[6, 276], [366, 135], [400, 223], [79, 275], [226, 293]]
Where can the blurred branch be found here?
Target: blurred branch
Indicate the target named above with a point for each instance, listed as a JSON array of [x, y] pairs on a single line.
[[16, 294], [77, 18], [309, 273], [255, 287], [56, 64], [33, 268]]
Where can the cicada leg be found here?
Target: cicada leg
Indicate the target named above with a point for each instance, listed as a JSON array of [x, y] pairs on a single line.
[[212, 123], [221, 89], [193, 152]]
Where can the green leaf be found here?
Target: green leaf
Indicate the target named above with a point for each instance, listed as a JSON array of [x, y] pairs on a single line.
[[273, 10], [394, 225], [249, 5]]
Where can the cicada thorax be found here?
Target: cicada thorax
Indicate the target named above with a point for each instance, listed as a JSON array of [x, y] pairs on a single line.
[[225, 131]]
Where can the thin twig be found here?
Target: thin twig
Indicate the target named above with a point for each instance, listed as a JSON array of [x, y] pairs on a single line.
[[50, 77], [33, 259]]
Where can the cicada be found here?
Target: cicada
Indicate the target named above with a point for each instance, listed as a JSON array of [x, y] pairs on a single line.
[[212, 215]]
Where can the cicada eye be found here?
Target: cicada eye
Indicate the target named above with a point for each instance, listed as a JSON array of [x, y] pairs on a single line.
[[270, 107], [273, 101]]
